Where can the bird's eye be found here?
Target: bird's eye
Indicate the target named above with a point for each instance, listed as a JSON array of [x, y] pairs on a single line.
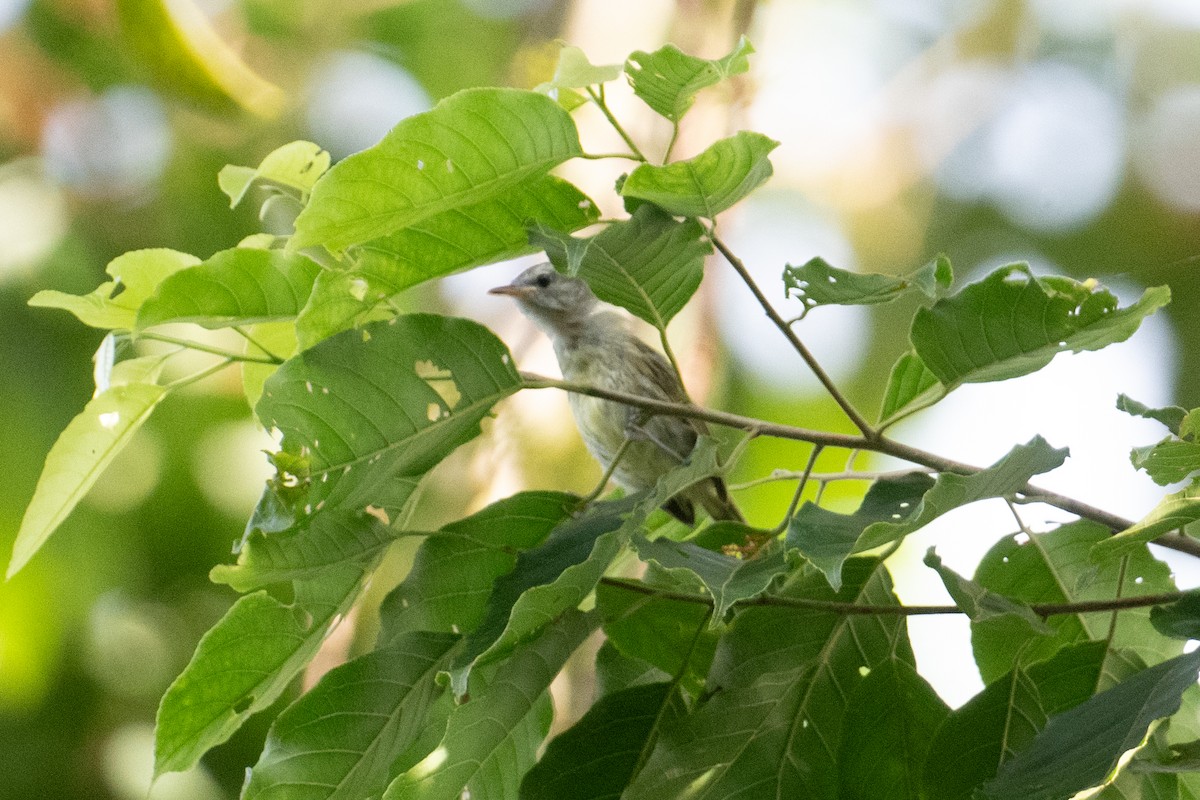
[[542, 280]]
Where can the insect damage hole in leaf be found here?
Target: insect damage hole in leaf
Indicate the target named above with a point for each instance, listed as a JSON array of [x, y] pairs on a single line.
[[440, 380]]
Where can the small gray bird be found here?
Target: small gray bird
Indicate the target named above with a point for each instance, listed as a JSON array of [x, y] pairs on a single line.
[[595, 348]]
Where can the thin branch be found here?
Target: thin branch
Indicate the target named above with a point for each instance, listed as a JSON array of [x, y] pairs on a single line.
[[878, 444], [804, 476], [855, 609], [262, 348], [859, 421], [780, 475], [205, 348], [598, 99]]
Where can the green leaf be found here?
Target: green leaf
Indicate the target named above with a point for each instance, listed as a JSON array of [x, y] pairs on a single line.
[[1171, 416], [911, 386], [1081, 748], [473, 145], [1170, 461], [322, 542], [781, 677], [234, 287], [364, 722], [390, 400], [668, 79], [451, 578], [454, 240], [816, 283], [547, 581], [1174, 511], [616, 671], [708, 184], [81, 453], [1054, 567], [890, 721], [726, 579], [1179, 620], [895, 508], [1012, 323], [598, 756], [491, 740], [575, 71], [296, 165], [650, 264], [115, 304], [672, 635], [969, 747], [280, 339], [244, 662], [981, 604]]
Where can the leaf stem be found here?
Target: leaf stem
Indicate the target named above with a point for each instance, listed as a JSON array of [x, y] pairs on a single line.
[[598, 99], [739, 266], [266, 352], [804, 476], [198, 376], [856, 609], [206, 348], [877, 443]]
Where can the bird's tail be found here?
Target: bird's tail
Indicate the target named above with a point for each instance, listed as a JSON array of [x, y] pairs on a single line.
[[714, 497]]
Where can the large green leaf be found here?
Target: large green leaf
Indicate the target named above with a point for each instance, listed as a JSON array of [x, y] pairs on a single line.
[[650, 264], [598, 756], [365, 722], [896, 507], [1054, 567], [1173, 512], [492, 740], [234, 287], [454, 240], [81, 453], [452, 575], [115, 304], [725, 578], [783, 676], [668, 79], [980, 603], [816, 283], [389, 400], [890, 721], [473, 145], [911, 386], [547, 581], [244, 662], [1012, 323], [1081, 748], [296, 165], [977, 738], [708, 184]]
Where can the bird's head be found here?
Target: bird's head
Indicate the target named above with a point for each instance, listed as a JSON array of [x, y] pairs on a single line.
[[555, 301]]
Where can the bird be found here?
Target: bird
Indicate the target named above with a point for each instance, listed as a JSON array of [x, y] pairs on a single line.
[[594, 347]]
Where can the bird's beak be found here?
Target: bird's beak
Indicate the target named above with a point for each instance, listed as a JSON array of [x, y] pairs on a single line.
[[512, 291]]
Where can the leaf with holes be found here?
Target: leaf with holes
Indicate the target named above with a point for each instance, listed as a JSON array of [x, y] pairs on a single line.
[[816, 283], [650, 264], [241, 286], [708, 184], [668, 79], [245, 662], [115, 304], [472, 146], [1012, 323], [389, 400]]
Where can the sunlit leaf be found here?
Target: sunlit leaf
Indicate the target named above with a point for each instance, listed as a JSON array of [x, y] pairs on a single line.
[[668, 79], [389, 400], [489, 231], [575, 71], [894, 508], [473, 145], [650, 264], [1012, 323], [1173, 512], [241, 286], [296, 165], [492, 739], [279, 338], [363, 723], [244, 662], [81, 453], [1054, 567], [708, 184], [1081, 747], [596, 757], [890, 720], [115, 304]]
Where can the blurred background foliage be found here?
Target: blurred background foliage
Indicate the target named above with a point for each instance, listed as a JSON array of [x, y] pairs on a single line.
[[1062, 132]]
